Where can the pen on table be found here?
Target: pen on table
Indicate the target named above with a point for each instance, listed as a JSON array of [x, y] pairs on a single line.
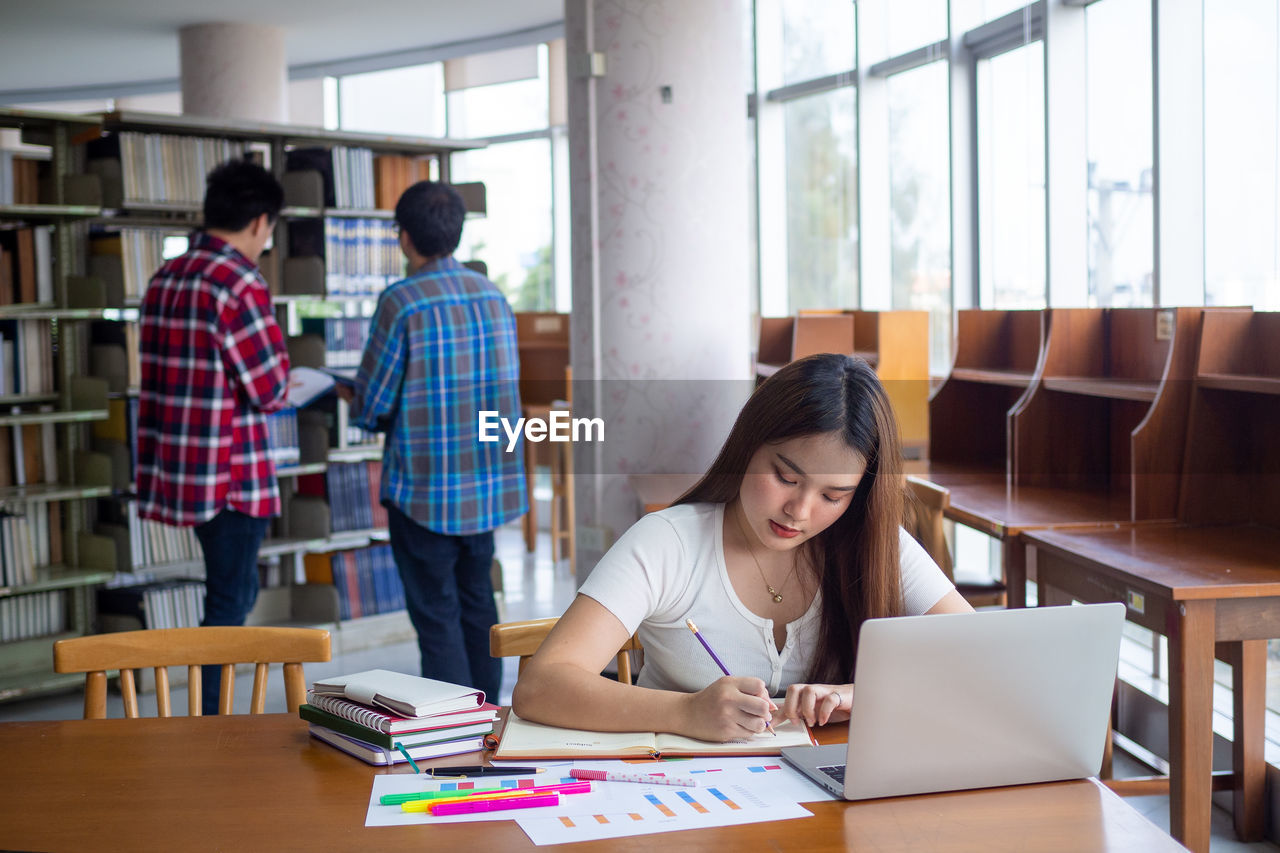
[[483, 770], [407, 757], [715, 657], [612, 776], [506, 794], [496, 805], [398, 799]]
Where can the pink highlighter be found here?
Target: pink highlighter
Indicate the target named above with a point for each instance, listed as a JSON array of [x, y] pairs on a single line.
[[496, 805]]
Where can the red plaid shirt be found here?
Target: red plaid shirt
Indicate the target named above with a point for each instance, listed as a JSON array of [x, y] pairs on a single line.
[[213, 363]]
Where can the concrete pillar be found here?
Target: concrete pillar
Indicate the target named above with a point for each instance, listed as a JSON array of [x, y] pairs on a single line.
[[658, 138], [234, 71]]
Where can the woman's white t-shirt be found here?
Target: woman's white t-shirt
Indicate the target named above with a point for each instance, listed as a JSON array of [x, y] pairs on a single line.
[[670, 567]]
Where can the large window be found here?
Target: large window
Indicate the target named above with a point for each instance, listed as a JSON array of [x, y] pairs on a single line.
[[514, 236], [523, 237], [1011, 203], [503, 108], [408, 101], [915, 23], [1121, 213], [1241, 153], [822, 200], [920, 222], [817, 38]]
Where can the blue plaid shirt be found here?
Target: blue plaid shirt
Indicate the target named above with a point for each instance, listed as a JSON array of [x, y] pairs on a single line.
[[441, 349]]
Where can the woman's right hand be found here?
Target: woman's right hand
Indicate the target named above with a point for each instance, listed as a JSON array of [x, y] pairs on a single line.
[[729, 709]]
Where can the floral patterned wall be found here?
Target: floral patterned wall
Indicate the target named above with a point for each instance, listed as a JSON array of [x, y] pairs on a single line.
[[659, 224]]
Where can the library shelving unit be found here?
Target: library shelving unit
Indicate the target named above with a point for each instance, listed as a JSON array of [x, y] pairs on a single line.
[[895, 343], [117, 187], [1108, 412], [996, 357], [334, 249], [1209, 579], [49, 559]]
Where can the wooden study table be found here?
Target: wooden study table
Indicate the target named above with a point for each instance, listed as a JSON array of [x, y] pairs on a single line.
[[987, 502], [1198, 586], [262, 783]]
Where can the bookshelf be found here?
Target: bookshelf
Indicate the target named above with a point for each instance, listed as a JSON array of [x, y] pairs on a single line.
[[49, 478], [115, 189]]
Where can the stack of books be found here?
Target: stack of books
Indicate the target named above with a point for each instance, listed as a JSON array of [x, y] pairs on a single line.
[[379, 715]]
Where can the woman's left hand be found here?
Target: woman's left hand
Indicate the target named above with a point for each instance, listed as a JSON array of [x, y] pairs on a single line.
[[818, 704]]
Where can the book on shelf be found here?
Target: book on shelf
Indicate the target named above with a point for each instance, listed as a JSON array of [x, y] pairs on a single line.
[[406, 695], [521, 739], [373, 754], [282, 436], [387, 723], [19, 179], [37, 614], [26, 265], [366, 579], [177, 603], [373, 737]]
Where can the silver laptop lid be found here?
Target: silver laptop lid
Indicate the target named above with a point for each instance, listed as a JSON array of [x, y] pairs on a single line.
[[1000, 697]]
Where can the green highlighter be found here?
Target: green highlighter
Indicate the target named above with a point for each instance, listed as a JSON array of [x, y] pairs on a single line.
[[397, 799]]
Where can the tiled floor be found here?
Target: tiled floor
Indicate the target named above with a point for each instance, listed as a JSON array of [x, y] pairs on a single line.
[[534, 587]]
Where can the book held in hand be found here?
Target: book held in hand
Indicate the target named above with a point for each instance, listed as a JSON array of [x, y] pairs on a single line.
[[406, 695], [522, 740]]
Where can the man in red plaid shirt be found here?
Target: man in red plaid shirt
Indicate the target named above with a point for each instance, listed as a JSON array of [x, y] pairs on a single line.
[[213, 364]]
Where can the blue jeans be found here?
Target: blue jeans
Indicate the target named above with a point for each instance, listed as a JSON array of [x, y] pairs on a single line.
[[449, 593], [230, 543]]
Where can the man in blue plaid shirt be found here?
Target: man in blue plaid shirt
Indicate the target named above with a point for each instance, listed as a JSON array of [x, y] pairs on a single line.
[[441, 350]]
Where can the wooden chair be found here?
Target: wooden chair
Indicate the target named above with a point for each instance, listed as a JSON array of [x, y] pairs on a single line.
[[522, 639], [926, 504], [126, 651]]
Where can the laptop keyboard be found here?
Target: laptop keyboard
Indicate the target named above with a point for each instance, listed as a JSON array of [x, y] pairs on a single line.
[[835, 771]]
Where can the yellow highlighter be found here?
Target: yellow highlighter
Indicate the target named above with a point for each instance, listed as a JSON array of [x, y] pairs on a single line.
[[426, 805], [502, 794]]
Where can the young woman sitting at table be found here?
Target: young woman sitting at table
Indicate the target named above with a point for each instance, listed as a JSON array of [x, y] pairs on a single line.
[[785, 546]]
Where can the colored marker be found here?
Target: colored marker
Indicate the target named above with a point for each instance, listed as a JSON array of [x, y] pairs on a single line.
[[504, 794], [613, 776], [442, 809]]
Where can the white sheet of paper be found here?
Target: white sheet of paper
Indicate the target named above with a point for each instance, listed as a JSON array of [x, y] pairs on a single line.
[[743, 791], [405, 783], [628, 808], [769, 778]]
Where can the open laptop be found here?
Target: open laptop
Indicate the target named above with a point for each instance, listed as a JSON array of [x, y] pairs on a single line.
[[974, 700]]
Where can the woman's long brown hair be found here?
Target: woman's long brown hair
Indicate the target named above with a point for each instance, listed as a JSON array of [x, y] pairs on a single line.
[[857, 556]]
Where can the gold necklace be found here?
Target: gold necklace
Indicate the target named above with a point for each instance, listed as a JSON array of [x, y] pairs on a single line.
[[777, 594]]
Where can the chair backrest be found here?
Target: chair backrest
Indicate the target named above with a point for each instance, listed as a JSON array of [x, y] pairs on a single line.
[[158, 648], [926, 504], [522, 639]]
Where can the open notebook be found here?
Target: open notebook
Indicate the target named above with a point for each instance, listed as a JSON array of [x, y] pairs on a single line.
[[522, 739]]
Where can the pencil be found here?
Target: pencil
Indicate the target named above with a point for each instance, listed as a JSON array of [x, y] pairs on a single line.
[[715, 657]]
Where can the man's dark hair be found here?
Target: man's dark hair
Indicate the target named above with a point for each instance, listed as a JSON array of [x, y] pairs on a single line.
[[431, 213], [238, 192]]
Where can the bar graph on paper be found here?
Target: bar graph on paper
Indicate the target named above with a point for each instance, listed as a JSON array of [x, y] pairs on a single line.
[[661, 811]]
